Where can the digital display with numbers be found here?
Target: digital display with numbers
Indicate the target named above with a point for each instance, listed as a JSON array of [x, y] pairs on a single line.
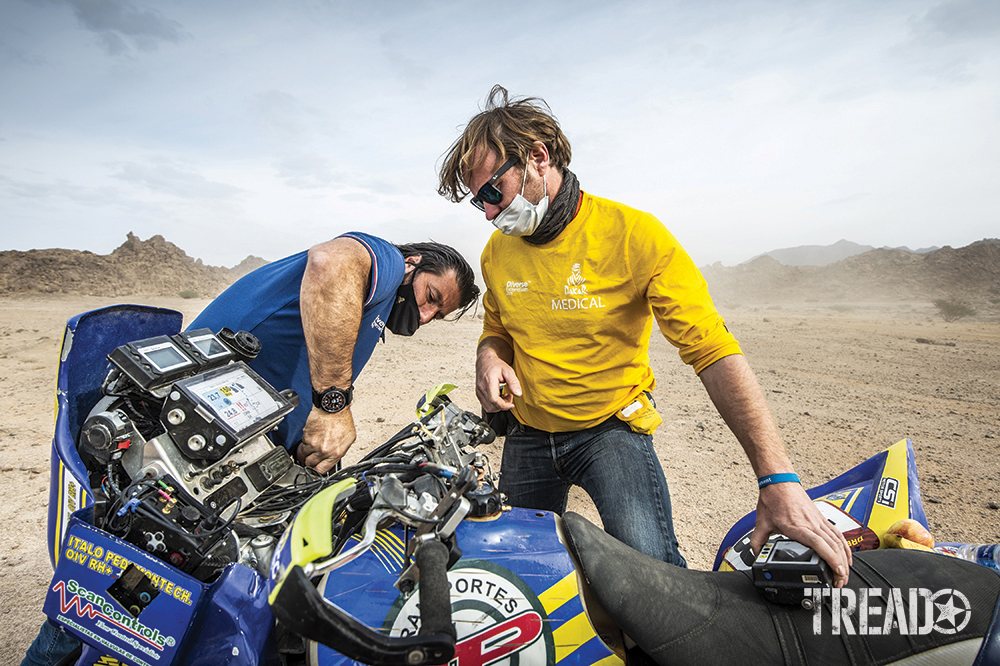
[[155, 362], [216, 410], [235, 398]]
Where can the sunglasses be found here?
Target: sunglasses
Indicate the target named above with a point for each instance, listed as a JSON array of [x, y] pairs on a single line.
[[488, 193]]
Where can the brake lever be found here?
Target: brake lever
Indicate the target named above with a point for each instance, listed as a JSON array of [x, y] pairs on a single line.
[[368, 534]]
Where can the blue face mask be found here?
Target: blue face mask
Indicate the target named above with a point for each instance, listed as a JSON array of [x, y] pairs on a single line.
[[522, 217]]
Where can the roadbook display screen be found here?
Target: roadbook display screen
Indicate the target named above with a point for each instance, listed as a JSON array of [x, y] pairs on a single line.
[[236, 398]]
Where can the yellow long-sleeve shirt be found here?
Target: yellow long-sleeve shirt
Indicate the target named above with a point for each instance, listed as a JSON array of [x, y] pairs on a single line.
[[578, 313]]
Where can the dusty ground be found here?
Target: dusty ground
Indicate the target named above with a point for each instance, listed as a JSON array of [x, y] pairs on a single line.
[[843, 382]]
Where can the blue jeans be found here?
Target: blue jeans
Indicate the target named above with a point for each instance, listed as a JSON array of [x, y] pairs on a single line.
[[616, 466], [52, 644]]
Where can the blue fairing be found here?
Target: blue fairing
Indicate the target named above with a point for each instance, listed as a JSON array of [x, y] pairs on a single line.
[[87, 341], [232, 621], [235, 623]]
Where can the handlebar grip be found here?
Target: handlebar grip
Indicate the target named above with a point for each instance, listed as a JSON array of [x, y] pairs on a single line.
[[435, 596]]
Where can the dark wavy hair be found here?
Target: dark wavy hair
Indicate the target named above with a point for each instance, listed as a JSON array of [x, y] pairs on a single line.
[[507, 126], [438, 259]]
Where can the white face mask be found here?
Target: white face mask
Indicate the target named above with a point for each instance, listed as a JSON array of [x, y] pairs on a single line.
[[522, 217]]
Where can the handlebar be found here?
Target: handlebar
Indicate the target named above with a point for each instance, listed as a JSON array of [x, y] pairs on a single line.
[[302, 609], [435, 598]]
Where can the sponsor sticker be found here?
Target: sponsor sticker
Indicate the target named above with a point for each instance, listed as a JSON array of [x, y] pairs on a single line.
[[118, 598], [499, 620], [888, 492]]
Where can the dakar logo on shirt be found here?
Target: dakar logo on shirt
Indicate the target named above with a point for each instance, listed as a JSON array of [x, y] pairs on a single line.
[[575, 282], [517, 287], [577, 290]]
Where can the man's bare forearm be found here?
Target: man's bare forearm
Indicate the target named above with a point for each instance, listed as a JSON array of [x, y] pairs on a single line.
[[331, 301], [781, 507], [735, 392]]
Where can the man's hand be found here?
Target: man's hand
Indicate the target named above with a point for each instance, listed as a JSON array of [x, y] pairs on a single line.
[[326, 438], [786, 509], [492, 370]]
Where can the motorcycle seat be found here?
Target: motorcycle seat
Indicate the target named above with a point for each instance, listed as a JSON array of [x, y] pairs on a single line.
[[682, 616]]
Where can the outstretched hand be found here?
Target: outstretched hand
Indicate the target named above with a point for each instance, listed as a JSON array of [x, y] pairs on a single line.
[[326, 438], [786, 509], [491, 372]]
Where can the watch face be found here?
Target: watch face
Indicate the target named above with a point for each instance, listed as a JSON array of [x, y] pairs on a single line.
[[333, 400]]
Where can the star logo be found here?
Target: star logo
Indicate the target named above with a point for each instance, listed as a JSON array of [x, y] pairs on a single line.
[[953, 611]]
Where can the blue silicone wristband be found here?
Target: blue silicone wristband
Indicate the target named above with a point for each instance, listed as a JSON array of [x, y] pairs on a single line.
[[777, 478]]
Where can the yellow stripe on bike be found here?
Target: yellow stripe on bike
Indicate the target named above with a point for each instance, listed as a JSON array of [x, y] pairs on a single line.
[[563, 591], [576, 631], [571, 635]]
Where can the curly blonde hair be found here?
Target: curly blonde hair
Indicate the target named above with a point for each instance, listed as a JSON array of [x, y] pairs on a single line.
[[508, 127]]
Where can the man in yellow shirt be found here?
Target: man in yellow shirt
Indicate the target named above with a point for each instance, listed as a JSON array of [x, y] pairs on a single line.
[[574, 283]]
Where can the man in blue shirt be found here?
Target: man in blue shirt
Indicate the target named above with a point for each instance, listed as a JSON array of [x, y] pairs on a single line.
[[319, 315]]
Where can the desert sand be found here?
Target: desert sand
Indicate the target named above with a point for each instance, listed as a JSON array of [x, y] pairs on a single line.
[[843, 382]]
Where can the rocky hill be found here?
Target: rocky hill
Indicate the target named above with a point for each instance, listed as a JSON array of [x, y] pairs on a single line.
[[151, 267], [970, 273], [821, 255], [158, 267]]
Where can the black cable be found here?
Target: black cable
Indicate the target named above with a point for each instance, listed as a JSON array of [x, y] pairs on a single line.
[[224, 526], [404, 434]]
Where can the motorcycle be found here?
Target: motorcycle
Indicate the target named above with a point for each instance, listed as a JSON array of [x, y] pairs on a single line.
[[179, 534]]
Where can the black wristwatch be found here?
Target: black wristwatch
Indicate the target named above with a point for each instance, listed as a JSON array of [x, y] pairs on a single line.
[[333, 399]]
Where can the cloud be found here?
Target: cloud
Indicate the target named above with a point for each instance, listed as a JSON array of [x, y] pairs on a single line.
[[164, 177], [965, 18], [288, 120], [954, 41], [60, 188], [121, 26], [860, 196], [310, 171], [20, 56], [280, 112], [305, 171], [398, 54]]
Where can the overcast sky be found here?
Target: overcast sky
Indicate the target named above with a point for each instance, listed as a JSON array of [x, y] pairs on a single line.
[[248, 127]]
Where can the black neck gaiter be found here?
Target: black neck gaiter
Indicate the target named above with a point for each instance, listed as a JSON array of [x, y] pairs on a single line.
[[561, 211]]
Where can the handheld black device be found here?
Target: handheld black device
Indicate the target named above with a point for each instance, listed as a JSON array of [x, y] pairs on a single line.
[[784, 568]]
